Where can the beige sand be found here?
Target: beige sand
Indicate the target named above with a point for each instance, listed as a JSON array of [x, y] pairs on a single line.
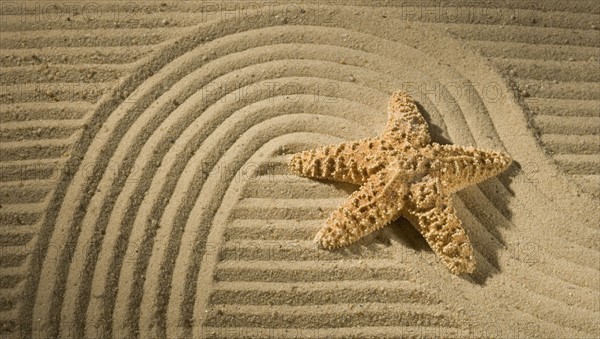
[[144, 189]]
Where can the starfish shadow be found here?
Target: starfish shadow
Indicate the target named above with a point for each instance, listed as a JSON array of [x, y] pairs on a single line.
[[435, 131], [413, 245], [370, 246], [489, 216], [398, 240]]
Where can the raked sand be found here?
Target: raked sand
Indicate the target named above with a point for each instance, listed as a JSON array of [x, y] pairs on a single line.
[[144, 189]]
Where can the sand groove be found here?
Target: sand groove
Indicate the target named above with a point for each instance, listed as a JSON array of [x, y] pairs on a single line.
[[551, 35], [47, 111], [309, 316], [308, 271], [586, 126], [52, 92], [144, 189], [535, 60], [564, 107], [295, 294], [47, 100], [81, 73], [573, 71], [73, 56], [83, 38], [538, 51]]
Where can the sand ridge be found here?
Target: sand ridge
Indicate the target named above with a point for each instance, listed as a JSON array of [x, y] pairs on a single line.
[[145, 192]]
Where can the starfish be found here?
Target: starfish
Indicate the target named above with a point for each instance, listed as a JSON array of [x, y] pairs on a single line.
[[402, 173]]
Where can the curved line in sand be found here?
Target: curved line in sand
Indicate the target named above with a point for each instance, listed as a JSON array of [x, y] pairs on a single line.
[[451, 124], [67, 321], [68, 305], [103, 272], [164, 239], [255, 136], [222, 135]]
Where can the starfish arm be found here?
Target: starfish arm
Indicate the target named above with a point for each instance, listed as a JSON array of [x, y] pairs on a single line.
[[458, 167], [378, 202], [430, 210], [352, 162], [405, 122]]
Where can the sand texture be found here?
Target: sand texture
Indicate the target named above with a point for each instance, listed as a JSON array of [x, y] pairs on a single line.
[[145, 192]]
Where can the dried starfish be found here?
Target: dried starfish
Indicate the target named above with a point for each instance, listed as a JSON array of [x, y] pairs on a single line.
[[401, 173]]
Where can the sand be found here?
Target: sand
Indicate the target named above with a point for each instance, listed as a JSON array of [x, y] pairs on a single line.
[[144, 189]]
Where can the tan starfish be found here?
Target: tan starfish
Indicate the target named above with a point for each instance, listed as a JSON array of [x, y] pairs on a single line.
[[401, 173]]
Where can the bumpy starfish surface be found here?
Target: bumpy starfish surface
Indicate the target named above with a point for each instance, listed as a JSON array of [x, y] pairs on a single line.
[[401, 173]]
